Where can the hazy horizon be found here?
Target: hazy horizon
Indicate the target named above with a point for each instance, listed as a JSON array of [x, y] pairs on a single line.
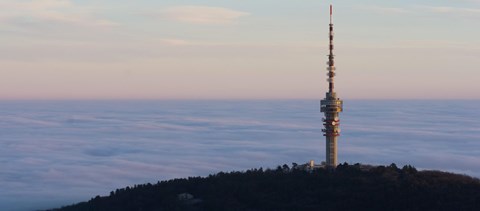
[[229, 99]]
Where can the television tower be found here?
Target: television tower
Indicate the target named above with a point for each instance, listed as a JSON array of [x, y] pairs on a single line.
[[331, 106]]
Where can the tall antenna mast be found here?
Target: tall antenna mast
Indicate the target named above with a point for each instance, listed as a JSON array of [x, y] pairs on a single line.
[[331, 63], [331, 106]]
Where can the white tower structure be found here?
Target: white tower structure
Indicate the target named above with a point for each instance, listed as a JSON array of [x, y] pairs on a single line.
[[331, 106]]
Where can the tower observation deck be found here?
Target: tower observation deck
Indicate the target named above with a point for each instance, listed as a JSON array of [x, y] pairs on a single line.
[[331, 105]]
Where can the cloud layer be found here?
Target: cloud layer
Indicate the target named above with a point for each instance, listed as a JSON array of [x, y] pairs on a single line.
[[57, 153], [202, 14], [44, 12]]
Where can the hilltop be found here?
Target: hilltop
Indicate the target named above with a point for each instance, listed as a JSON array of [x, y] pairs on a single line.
[[348, 187]]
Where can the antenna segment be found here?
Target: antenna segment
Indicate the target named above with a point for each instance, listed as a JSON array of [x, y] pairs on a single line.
[[331, 12]]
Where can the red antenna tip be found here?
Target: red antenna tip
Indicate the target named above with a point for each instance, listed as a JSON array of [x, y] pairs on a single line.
[[331, 9]]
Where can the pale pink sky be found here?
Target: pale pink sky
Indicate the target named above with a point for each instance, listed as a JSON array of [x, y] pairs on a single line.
[[62, 49]]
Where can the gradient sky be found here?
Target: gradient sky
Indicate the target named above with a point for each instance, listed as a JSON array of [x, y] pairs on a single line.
[[220, 49]]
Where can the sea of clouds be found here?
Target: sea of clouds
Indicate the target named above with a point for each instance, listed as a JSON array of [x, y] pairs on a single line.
[[55, 153]]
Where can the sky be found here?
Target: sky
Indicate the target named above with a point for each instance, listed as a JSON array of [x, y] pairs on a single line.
[[226, 49]]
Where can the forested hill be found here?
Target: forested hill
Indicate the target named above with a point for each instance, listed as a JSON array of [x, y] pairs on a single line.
[[348, 187]]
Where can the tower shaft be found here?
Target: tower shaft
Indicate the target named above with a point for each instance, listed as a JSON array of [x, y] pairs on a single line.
[[331, 105]]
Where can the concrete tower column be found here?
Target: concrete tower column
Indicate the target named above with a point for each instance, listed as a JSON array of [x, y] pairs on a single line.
[[331, 105]]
